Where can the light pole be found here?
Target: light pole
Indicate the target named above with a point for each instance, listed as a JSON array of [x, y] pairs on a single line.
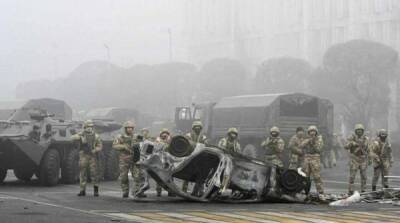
[[170, 43], [108, 52]]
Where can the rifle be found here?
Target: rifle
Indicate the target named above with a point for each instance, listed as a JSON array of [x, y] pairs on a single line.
[[382, 153], [311, 143], [87, 146]]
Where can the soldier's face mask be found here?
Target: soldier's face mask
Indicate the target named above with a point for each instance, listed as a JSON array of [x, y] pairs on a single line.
[[383, 137], [164, 136], [145, 133], [89, 129], [359, 132], [274, 134], [129, 131], [232, 135], [312, 133], [197, 130], [300, 134]]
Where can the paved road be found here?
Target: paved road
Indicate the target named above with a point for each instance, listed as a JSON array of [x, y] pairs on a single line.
[[29, 202]]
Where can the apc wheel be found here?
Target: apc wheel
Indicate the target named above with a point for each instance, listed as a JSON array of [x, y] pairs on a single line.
[[70, 168], [111, 171], [24, 175], [101, 165], [50, 168], [3, 175]]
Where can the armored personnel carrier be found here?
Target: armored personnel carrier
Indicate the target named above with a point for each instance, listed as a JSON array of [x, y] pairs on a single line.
[[36, 140]]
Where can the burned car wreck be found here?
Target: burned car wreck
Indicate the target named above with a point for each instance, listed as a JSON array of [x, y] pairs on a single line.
[[219, 175]]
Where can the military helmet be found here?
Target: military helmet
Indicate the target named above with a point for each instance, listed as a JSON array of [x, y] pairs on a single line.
[[382, 132], [359, 127], [129, 124], [197, 124], [164, 130], [88, 123], [233, 130], [312, 128], [274, 129]]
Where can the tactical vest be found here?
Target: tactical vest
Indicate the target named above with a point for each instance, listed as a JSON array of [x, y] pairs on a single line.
[[360, 151], [87, 143], [311, 148], [270, 147]]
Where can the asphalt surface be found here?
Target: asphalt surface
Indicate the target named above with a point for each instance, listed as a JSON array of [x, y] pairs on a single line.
[[30, 202]]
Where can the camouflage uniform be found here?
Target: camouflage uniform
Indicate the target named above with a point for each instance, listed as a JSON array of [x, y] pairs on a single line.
[[357, 145], [312, 147], [229, 144], [381, 154], [165, 142], [89, 146], [124, 145], [337, 145], [194, 138], [297, 155], [328, 156], [274, 146]]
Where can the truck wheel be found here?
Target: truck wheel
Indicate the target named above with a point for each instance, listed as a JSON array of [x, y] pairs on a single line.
[[50, 168], [111, 171], [70, 169], [3, 174], [101, 166], [24, 175]]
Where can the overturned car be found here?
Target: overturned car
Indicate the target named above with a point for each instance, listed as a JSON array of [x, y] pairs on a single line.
[[219, 175]]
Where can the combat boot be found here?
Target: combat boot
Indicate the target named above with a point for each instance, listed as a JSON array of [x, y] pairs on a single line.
[[125, 195], [82, 193], [158, 193], [373, 188], [96, 191]]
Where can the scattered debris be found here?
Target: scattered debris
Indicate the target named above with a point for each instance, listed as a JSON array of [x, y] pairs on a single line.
[[355, 198]]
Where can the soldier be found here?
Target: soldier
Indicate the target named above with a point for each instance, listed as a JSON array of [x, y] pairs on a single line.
[[312, 148], [337, 145], [125, 144], [195, 136], [89, 147], [164, 139], [328, 155], [34, 134], [145, 132], [274, 146], [297, 155], [230, 142], [381, 154], [357, 145]]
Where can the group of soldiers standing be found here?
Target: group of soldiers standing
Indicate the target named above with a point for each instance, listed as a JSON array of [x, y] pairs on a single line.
[[364, 152], [306, 148]]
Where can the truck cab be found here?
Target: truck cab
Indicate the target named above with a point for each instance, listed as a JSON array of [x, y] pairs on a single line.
[[186, 115]]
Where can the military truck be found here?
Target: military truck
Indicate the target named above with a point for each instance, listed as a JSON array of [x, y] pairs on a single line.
[[36, 139], [254, 115], [120, 115]]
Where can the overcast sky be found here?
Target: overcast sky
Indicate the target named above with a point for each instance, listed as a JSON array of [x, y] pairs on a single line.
[[49, 38]]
